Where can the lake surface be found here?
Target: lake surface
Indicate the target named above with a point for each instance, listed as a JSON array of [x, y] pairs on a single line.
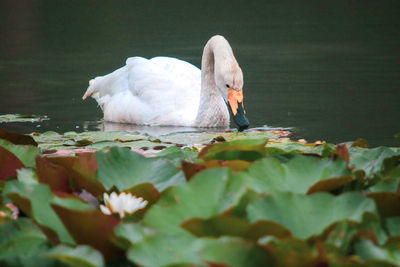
[[329, 69]]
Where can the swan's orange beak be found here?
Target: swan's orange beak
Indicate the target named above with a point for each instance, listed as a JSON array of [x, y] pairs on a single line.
[[235, 104]]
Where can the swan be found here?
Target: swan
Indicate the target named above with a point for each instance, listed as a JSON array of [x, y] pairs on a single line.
[[169, 91]]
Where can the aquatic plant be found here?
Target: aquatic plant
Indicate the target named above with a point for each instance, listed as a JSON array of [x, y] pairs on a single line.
[[240, 199]]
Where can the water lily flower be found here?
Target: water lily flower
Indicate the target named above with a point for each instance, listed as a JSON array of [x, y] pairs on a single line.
[[122, 203]]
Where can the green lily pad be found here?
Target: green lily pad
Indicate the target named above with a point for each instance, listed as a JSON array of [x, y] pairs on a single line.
[[370, 160], [209, 193], [22, 118], [306, 216], [380, 255], [296, 175], [189, 251], [80, 256], [34, 200], [21, 244], [124, 169], [191, 138], [225, 224], [248, 150]]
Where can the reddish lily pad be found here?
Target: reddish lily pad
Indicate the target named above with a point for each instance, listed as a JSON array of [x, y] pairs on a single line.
[[17, 138], [9, 164]]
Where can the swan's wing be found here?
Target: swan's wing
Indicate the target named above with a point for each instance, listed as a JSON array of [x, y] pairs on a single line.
[[161, 90]]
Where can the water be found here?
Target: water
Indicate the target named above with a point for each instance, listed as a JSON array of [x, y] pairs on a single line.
[[330, 69]]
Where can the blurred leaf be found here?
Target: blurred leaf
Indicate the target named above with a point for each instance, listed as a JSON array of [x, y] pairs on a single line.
[[80, 256], [88, 226], [387, 203], [248, 150], [21, 243], [209, 193], [190, 169], [311, 213], [9, 164], [390, 184], [124, 169], [17, 138], [22, 118], [296, 175], [370, 160], [81, 170], [368, 251], [393, 226], [294, 253], [34, 200], [199, 252], [343, 152], [230, 225], [360, 142], [27, 176], [54, 175], [330, 184], [25, 153], [131, 233], [177, 154]]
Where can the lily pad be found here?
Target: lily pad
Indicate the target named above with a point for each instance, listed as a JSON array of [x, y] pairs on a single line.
[[248, 150], [296, 175], [80, 256], [25, 153], [124, 169], [209, 193], [22, 118], [17, 138], [368, 251], [188, 251], [21, 244], [9, 164], [310, 212], [370, 160]]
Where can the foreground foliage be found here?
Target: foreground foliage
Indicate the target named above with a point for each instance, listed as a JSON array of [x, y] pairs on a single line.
[[248, 199]]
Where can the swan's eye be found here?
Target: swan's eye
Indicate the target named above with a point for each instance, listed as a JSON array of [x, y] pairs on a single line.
[[227, 85]]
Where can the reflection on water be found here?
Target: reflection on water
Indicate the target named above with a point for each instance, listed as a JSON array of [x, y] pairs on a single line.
[[330, 69]]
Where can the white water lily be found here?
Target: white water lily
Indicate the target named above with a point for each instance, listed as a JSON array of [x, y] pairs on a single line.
[[122, 203]]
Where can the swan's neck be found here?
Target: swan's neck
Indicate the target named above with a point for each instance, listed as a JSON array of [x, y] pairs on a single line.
[[212, 108]]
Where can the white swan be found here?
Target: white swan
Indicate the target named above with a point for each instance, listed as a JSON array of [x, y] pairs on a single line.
[[169, 91]]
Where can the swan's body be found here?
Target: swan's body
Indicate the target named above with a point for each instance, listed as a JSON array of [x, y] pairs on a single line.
[[169, 91]]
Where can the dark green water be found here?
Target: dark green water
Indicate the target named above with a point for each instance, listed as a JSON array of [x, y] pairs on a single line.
[[330, 69]]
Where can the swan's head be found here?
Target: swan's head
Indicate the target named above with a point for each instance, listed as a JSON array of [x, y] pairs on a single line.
[[229, 82]]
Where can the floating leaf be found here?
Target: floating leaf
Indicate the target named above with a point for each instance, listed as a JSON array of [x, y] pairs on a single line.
[[124, 169], [230, 225], [387, 203], [34, 200], [370, 160], [368, 251], [311, 213], [296, 175], [21, 243], [81, 170], [80, 256], [248, 150], [189, 251], [54, 175], [209, 193], [9, 164], [22, 118], [17, 138], [25, 153], [330, 184]]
